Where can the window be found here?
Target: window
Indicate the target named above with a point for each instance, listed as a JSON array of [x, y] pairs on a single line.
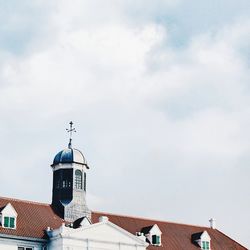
[[64, 184], [9, 222], [78, 179], [25, 248], [156, 240], [205, 245]]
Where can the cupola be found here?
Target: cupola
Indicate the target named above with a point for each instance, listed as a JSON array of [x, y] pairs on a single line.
[[69, 183]]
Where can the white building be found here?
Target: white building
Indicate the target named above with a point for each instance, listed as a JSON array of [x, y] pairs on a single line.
[[68, 224]]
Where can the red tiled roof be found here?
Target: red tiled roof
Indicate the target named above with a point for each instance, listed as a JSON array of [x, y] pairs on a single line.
[[174, 236], [33, 219]]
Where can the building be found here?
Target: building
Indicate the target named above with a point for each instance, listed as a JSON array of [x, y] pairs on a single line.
[[68, 224]]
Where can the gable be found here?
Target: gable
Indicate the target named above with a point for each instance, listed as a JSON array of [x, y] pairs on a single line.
[[205, 236], [9, 210], [155, 230], [106, 232]]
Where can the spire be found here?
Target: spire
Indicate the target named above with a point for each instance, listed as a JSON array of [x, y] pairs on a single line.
[[70, 130]]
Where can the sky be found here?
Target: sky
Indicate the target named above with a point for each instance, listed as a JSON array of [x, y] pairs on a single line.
[[159, 93]]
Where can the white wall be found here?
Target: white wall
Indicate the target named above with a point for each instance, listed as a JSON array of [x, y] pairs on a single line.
[[74, 244], [13, 244], [99, 236]]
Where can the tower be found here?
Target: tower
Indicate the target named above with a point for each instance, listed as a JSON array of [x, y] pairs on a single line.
[[69, 183]]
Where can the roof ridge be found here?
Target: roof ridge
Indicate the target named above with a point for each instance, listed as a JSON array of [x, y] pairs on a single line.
[[154, 220], [25, 201]]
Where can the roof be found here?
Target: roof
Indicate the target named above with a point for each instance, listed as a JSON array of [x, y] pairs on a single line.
[[174, 236], [77, 223], [69, 155], [146, 230], [196, 236], [33, 219]]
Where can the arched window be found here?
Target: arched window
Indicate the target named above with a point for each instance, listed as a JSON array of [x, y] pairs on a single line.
[[78, 179]]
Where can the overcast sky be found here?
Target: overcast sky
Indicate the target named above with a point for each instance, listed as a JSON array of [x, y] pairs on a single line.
[[160, 95]]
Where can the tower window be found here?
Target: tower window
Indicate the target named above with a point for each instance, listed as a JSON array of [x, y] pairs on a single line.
[[66, 184], [78, 179]]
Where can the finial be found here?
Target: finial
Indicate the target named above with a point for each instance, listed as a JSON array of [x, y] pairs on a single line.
[[70, 130]]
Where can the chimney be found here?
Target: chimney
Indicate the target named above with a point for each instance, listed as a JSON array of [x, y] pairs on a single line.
[[212, 223]]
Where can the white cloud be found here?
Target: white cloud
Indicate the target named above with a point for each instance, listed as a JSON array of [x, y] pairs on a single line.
[[144, 108]]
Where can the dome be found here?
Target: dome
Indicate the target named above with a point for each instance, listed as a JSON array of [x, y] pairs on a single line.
[[70, 155]]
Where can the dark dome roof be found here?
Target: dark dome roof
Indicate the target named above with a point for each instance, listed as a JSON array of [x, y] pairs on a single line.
[[70, 155]]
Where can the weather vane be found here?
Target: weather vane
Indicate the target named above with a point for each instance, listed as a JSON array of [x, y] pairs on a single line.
[[70, 130]]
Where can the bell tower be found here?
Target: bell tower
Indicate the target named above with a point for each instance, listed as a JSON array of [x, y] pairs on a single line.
[[69, 183]]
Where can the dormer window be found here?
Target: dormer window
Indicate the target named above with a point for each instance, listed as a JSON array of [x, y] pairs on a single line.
[[152, 234], [9, 222], [202, 240], [156, 240], [205, 245], [8, 217]]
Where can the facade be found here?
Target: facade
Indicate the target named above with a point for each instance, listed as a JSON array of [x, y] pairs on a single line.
[[68, 224]]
